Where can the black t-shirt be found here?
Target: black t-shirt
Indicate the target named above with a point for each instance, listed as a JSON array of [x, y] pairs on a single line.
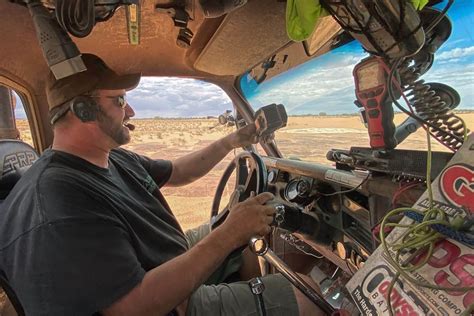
[[75, 237]]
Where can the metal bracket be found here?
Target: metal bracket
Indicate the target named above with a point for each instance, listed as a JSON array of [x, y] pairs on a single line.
[[259, 246], [180, 19]]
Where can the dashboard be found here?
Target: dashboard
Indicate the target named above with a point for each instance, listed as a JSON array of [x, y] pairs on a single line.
[[348, 205]]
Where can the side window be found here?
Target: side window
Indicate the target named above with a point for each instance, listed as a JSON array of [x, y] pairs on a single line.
[[174, 117], [13, 120]]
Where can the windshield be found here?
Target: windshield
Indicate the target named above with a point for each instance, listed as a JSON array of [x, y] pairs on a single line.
[[319, 95]]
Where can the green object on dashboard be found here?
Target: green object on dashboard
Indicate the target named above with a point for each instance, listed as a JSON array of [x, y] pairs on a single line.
[[302, 16]]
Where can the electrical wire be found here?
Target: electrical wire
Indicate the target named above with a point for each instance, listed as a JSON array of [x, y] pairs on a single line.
[[421, 236], [347, 191], [417, 237], [391, 82], [403, 189], [76, 16], [377, 15], [293, 241], [424, 127], [439, 17], [363, 29]]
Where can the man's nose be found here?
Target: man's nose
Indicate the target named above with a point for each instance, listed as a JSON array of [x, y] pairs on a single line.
[[129, 110]]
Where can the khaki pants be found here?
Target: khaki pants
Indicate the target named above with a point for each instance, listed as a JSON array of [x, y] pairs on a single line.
[[216, 298]]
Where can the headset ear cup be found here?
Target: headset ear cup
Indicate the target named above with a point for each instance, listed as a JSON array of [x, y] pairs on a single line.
[[84, 108]]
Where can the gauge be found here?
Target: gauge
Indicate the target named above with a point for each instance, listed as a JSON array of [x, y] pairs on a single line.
[[291, 191], [297, 190], [272, 176], [302, 187]]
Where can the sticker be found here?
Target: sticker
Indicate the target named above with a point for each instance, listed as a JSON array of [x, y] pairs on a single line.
[[457, 186], [344, 178], [374, 288]]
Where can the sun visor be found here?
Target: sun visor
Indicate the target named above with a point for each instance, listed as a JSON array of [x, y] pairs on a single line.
[[245, 37]]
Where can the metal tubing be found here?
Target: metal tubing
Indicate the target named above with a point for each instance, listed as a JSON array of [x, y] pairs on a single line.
[[265, 252]]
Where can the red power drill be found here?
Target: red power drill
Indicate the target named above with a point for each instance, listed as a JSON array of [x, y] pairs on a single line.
[[370, 76]]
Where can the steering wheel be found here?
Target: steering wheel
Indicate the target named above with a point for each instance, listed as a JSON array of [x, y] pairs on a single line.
[[251, 175]]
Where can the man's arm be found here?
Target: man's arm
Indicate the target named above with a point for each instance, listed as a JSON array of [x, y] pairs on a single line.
[[166, 286], [193, 166]]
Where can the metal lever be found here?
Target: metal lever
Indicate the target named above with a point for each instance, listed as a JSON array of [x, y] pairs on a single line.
[[260, 247]]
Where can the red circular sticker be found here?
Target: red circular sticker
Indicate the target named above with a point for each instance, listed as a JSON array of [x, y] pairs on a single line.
[[457, 186]]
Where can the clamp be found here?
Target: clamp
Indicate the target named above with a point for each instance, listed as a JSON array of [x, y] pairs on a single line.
[[180, 19]]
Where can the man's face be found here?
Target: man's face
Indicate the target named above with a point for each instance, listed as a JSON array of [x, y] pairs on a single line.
[[113, 116]]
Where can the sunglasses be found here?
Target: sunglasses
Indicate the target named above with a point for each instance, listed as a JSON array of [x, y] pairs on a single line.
[[119, 100]]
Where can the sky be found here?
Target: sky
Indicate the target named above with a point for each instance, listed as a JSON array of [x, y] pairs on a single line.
[[328, 79], [177, 97]]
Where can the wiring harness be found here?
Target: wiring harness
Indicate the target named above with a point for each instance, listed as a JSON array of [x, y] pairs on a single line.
[[78, 17], [419, 239]]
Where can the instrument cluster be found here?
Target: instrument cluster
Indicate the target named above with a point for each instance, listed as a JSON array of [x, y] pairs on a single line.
[[344, 219]]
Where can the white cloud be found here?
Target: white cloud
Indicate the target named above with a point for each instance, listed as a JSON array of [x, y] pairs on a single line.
[[177, 97], [456, 53], [327, 88]]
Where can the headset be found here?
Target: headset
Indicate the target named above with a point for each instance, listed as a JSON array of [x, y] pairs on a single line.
[[83, 107]]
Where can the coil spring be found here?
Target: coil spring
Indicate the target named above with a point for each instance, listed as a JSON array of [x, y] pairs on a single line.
[[429, 106]]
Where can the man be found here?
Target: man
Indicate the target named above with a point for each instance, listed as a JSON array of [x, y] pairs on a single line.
[[86, 229]]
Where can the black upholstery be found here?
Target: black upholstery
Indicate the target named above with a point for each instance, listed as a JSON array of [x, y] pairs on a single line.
[[15, 158]]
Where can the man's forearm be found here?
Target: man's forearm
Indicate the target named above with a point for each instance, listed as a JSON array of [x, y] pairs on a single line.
[[166, 286], [193, 166]]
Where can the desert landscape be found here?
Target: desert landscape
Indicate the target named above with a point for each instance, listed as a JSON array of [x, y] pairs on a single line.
[[305, 137]]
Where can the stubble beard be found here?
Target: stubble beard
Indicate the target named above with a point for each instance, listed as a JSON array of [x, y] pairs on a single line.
[[115, 130]]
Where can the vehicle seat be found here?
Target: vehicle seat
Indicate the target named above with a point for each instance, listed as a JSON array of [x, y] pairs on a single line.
[[15, 158]]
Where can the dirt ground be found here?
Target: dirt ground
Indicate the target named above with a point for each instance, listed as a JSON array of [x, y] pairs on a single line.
[[308, 138]]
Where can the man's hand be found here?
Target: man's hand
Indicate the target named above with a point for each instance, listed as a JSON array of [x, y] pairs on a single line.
[[250, 218], [244, 136]]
